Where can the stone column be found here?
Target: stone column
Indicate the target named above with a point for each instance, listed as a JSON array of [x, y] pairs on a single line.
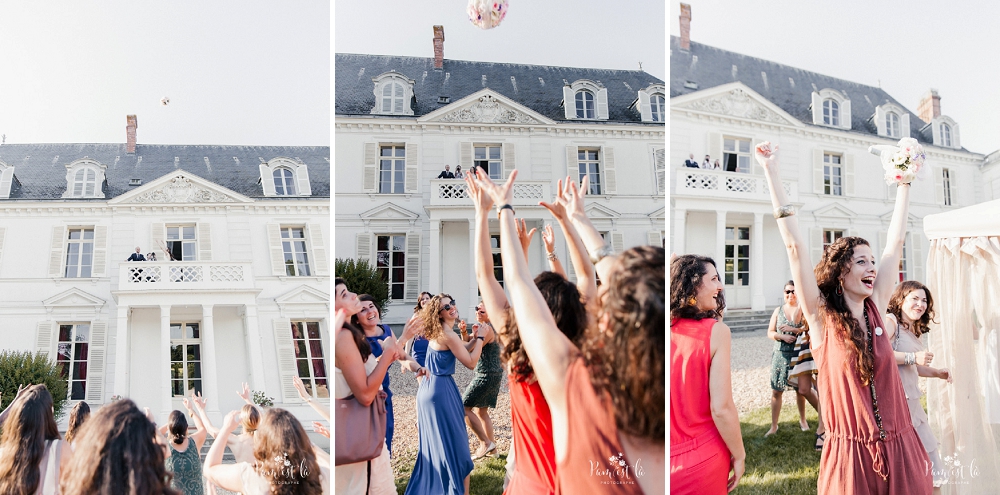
[[166, 393], [122, 353], [434, 283], [256, 356], [680, 220], [720, 242], [757, 263], [209, 360]]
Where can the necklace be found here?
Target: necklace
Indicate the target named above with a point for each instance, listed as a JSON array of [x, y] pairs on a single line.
[[871, 348]]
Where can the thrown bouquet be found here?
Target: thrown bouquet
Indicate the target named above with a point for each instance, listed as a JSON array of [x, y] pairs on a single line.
[[902, 163], [487, 14]]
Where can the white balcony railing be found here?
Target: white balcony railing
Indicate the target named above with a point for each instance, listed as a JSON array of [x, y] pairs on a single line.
[[452, 192], [731, 185], [186, 275]]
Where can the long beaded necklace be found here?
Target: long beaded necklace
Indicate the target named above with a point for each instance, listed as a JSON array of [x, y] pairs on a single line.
[[871, 348]]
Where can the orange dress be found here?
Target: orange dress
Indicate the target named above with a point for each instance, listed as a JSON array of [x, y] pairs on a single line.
[[699, 458], [854, 461]]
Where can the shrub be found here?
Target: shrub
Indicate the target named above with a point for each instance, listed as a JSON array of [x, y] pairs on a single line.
[[363, 278], [261, 399], [25, 368]]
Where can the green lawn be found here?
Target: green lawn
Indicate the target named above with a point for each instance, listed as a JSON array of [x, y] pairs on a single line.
[[784, 463], [487, 477]]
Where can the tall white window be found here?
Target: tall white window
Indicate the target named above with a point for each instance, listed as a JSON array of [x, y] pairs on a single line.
[[946, 185], [590, 166], [584, 105], [392, 98], [84, 182], [390, 261], [832, 175], [831, 112], [284, 182], [903, 264], [736, 155], [182, 242], [656, 107], [185, 358], [71, 357], [737, 265], [308, 344], [946, 135], [293, 245], [80, 253], [391, 169], [489, 158], [829, 236], [892, 124]]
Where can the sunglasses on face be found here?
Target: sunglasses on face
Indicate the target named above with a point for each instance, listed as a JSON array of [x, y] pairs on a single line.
[[447, 307], [789, 292]]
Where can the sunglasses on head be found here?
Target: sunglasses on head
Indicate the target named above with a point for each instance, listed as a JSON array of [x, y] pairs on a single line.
[[789, 292]]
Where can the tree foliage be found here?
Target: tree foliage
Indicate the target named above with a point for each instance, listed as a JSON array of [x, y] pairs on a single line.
[[25, 368], [363, 278]]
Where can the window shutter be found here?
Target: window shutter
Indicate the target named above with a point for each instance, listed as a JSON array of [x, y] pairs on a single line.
[[412, 283], [573, 163], [100, 251], [277, 253], [317, 248], [6, 179], [953, 189], [287, 369], [845, 114], [939, 187], [95, 362], [817, 108], [412, 168], [608, 166], [654, 238], [364, 248], [569, 102], [955, 141], [602, 104], [43, 338], [267, 179], [660, 168], [714, 146], [302, 180], [904, 125], [465, 155], [57, 251], [204, 241], [508, 160], [848, 175], [370, 169], [880, 127], [816, 235], [914, 241], [818, 171], [617, 241], [644, 110]]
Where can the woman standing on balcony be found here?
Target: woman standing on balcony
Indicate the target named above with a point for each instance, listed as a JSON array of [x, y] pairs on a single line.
[[872, 446]]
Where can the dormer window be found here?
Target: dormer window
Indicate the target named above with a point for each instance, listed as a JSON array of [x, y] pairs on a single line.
[[831, 108], [892, 124], [585, 100], [656, 107], [285, 177], [84, 182], [831, 113], [943, 132], [892, 121], [584, 105], [284, 182], [946, 135], [393, 94], [651, 103], [84, 179]]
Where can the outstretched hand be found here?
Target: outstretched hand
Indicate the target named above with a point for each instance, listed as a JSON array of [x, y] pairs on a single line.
[[767, 155], [322, 430], [245, 394], [300, 388], [229, 422], [503, 194], [524, 235], [549, 238], [482, 201]]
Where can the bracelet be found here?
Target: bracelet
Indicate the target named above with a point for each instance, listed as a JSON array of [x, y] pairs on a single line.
[[551, 256], [601, 253], [783, 211], [481, 338], [503, 207], [909, 358]]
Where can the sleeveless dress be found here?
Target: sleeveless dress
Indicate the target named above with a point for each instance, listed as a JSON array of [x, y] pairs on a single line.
[[531, 422], [420, 349], [351, 478], [854, 460], [487, 376], [186, 467], [781, 356], [699, 458], [443, 457], [390, 422], [908, 342]]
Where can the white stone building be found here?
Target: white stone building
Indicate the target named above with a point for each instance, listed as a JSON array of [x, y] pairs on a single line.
[[401, 120], [247, 300], [722, 103]]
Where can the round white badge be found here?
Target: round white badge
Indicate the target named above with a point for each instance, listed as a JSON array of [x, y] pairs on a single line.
[[878, 330]]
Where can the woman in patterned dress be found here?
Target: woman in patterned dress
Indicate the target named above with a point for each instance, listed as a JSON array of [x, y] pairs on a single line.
[[481, 394], [184, 454]]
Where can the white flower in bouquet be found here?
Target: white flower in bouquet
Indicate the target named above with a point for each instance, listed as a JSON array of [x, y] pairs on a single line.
[[903, 163]]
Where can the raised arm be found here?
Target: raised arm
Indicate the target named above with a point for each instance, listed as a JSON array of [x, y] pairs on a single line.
[[224, 475], [592, 240], [798, 252], [300, 387], [549, 239], [457, 346], [492, 293], [885, 276], [199, 408], [348, 359], [568, 204], [200, 431]]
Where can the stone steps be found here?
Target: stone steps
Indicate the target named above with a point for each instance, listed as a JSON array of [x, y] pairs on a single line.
[[746, 320]]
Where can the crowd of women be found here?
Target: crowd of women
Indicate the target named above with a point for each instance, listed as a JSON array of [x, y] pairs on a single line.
[[584, 365], [845, 321], [118, 449]]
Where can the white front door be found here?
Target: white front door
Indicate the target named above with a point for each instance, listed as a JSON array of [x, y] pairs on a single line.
[[737, 267]]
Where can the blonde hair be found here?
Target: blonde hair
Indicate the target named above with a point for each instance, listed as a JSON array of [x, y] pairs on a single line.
[[249, 418]]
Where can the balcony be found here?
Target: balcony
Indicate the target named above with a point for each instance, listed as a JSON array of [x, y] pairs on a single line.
[[727, 185], [452, 192], [184, 275]]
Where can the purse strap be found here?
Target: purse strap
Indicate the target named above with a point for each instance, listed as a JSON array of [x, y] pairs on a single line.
[[368, 484]]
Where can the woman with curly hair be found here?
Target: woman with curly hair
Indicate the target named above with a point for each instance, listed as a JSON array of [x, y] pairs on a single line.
[[413, 340], [285, 462], [31, 453], [910, 311], [871, 444], [608, 397], [117, 453], [705, 441], [77, 416], [443, 460]]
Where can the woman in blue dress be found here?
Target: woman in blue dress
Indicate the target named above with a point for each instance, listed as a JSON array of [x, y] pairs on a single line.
[[444, 461], [418, 347]]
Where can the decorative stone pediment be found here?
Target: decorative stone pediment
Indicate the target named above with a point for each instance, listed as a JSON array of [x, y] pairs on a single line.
[[486, 107], [835, 211], [389, 211], [304, 302], [74, 301], [658, 215], [180, 187], [735, 100], [595, 210]]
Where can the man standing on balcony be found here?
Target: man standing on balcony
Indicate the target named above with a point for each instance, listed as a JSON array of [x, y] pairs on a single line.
[[446, 174], [691, 162], [136, 256]]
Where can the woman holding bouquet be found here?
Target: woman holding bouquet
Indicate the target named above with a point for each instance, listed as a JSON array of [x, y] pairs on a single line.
[[871, 445]]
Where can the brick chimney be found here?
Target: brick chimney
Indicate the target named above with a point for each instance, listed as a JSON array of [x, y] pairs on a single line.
[[930, 106], [439, 47], [130, 125], [685, 27]]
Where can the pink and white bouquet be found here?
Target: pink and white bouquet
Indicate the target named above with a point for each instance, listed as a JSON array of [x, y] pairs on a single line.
[[487, 14], [902, 163]]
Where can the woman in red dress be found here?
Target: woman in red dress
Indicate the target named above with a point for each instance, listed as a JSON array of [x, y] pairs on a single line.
[[871, 445], [705, 441]]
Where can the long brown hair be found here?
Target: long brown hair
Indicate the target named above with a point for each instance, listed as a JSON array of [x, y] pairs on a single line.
[[420, 306], [836, 261], [627, 359], [430, 316], [177, 427], [281, 439], [116, 452], [79, 414], [904, 289], [358, 334], [685, 280], [563, 300], [29, 424]]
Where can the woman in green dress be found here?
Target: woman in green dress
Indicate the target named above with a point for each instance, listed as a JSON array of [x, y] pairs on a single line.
[[184, 452], [481, 394]]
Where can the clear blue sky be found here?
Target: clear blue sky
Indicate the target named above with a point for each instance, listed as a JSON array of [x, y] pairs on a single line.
[[586, 33], [907, 48], [237, 72]]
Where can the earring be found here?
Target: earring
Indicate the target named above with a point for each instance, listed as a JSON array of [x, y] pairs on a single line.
[[840, 289], [692, 301]]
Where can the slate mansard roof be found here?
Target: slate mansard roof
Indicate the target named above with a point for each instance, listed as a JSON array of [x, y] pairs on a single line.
[[40, 169], [708, 67], [538, 87]]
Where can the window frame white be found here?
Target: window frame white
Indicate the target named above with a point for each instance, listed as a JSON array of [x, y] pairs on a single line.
[[87, 167], [400, 88], [820, 109], [69, 369], [490, 162], [946, 186], [390, 266], [945, 131], [397, 164], [881, 119], [892, 124], [831, 112], [289, 245], [580, 105], [82, 242], [600, 99], [583, 159], [182, 240], [310, 381], [831, 235], [184, 342], [300, 177], [746, 155], [286, 182], [656, 107], [829, 188]]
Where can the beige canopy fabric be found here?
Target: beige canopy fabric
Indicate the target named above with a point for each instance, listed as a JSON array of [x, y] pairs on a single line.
[[963, 275]]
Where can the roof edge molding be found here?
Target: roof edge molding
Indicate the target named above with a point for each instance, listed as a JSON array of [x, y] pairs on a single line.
[[180, 187], [737, 100], [486, 107]]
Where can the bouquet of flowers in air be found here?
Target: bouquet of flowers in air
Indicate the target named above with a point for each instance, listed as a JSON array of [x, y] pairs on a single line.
[[902, 163], [487, 14]]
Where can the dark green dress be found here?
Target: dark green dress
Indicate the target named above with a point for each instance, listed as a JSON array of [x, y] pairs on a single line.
[[186, 467], [488, 375]]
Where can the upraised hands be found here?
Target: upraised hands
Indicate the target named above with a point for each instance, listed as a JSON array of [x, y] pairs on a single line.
[[483, 331], [229, 422], [198, 401], [524, 236], [300, 388], [322, 430], [245, 393], [503, 194], [480, 199], [767, 155], [549, 238]]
